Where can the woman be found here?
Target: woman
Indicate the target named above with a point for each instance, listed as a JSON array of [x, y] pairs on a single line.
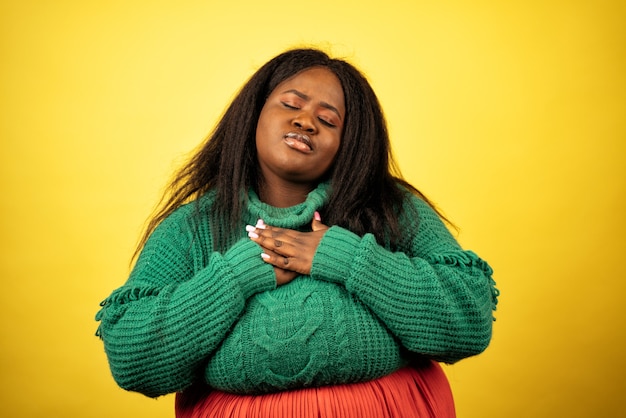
[[291, 273]]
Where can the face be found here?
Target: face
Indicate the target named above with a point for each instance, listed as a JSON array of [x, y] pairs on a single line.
[[300, 126]]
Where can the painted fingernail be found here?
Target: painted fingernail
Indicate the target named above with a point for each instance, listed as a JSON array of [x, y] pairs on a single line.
[[317, 216], [250, 228], [260, 224], [265, 256], [252, 234]]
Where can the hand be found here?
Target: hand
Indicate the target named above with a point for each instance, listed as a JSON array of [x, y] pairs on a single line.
[[284, 276], [287, 249]]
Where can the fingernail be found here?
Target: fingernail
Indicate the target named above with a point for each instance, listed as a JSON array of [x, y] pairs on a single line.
[[265, 256], [250, 228], [317, 216], [252, 234], [260, 224]]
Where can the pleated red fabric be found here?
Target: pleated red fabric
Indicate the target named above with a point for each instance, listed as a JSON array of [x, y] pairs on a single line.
[[407, 393]]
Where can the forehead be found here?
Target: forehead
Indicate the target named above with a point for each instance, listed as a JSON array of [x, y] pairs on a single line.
[[318, 83]]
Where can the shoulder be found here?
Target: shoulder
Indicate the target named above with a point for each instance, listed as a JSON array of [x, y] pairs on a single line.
[[416, 209], [426, 227], [186, 218]]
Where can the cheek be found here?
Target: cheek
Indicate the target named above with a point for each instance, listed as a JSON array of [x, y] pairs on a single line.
[[263, 130], [333, 146], [260, 124], [265, 118]]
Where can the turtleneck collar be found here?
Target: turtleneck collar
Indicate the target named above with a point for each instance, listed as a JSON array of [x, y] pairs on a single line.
[[293, 217]]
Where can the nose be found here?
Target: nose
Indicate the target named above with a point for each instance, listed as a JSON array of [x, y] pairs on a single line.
[[304, 122]]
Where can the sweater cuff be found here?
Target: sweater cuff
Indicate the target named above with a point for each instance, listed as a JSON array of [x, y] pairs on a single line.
[[334, 256], [247, 267]]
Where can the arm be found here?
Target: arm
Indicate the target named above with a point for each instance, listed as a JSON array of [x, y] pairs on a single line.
[[435, 297], [163, 324]]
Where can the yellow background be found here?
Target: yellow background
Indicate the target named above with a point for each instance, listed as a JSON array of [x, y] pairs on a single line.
[[509, 115]]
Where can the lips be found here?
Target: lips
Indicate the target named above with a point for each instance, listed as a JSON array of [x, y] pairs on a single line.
[[298, 141]]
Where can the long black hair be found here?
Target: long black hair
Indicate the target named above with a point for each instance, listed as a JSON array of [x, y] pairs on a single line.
[[365, 194]]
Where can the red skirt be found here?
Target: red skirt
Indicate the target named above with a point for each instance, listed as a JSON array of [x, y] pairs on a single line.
[[407, 393]]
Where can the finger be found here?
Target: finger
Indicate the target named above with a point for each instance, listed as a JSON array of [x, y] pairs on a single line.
[[277, 260], [286, 262], [271, 238], [316, 224], [261, 232], [284, 276]]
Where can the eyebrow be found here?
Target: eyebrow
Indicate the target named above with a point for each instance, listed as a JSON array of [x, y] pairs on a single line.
[[307, 98]]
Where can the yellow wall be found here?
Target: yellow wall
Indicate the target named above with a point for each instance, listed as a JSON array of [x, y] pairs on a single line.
[[510, 115]]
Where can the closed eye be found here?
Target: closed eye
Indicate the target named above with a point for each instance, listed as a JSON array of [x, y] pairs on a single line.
[[288, 106], [322, 120], [327, 123]]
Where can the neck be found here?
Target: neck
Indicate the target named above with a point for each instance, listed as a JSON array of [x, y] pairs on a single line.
[[284, 195]]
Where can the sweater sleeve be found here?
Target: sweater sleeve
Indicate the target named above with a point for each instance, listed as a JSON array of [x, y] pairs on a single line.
[[161, 327], [436, 298]]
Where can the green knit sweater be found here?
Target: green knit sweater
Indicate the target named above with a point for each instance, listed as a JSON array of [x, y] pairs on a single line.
[[189, 313]]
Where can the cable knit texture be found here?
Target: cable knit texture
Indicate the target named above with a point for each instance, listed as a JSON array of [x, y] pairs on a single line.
[[190, 313]]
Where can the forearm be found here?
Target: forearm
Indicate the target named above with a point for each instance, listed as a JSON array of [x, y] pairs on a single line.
[[439, 306], [157, 337]]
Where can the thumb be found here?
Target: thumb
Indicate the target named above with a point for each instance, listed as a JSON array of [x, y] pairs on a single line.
[[317, 224]]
